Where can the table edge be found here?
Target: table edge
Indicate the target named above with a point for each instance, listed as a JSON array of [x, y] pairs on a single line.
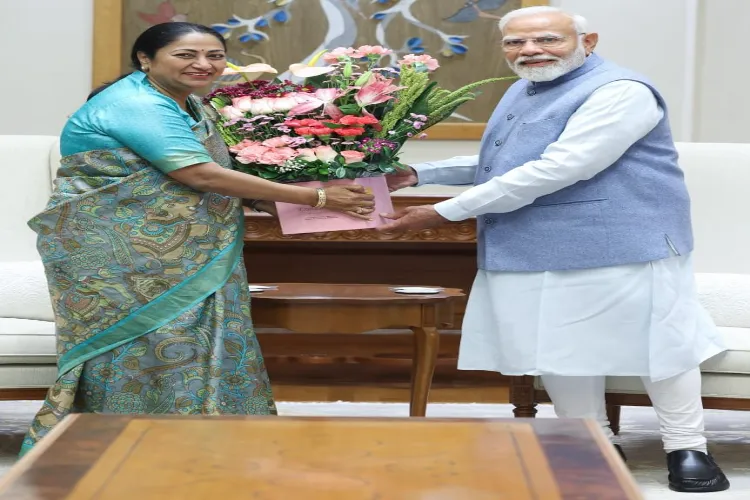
[[616, 464], [27, 461]]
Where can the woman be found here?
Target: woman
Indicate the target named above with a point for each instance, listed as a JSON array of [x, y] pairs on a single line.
[[142, 245]]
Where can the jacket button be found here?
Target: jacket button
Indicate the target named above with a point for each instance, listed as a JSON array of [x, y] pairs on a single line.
[[498, 142], [510, 117], [531, 92], [488, 221], [487, 169]]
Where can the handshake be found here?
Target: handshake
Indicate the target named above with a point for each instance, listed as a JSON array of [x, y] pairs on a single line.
[[410, 218]]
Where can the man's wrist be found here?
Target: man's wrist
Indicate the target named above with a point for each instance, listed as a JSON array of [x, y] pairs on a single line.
[[451, 210], [422, 172]]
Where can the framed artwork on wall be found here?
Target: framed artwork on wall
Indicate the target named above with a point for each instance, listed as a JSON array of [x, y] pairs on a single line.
[[461, 34]]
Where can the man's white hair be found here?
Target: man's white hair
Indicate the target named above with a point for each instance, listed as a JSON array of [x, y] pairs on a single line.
[[580, 23]]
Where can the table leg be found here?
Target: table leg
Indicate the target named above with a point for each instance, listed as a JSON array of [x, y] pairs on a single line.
[[426, 343]]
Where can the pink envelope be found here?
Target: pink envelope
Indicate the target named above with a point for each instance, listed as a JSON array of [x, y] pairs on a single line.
[[299, 219]]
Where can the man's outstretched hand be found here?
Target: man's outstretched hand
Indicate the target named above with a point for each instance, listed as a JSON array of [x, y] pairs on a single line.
[[413, 218], [401, 178]]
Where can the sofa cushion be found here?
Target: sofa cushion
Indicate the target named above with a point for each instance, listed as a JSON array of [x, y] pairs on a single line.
[[713, 385], [27, 376], [27, 341], [726, 297], [23, 291], [734, 360]]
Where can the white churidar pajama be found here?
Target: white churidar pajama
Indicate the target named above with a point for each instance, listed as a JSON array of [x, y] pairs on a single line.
[[575, 327]]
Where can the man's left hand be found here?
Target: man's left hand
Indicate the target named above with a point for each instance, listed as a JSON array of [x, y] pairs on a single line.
[[268, 207], [414, 218]]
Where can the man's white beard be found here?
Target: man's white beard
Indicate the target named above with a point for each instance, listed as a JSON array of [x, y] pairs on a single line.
[[549, 72]]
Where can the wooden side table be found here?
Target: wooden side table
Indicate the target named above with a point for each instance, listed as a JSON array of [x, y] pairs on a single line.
[[351, 309]]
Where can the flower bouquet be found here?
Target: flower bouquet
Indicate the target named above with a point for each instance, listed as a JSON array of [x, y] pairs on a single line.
[[344, 123]]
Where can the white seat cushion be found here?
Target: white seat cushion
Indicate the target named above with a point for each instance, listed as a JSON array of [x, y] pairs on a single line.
[[736, 360], [27, 376], [27, 341], [713, 385], [23, 291]]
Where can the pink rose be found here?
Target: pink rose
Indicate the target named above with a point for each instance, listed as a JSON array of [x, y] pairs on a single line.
[[283, 103], [430, 62], [278, 156], [246, 143], [352, 156], [325, 153], [242, 103], [231, 113], [277, 142], [261, 106], [306, 154], [252, 154]]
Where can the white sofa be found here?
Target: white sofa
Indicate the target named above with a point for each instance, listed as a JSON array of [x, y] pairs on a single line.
[[27, 332], [717, 176]]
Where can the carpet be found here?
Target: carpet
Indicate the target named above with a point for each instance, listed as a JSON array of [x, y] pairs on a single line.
[[728, 434]]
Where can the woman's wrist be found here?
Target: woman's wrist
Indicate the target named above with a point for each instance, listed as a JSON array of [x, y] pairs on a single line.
[[311, 197]]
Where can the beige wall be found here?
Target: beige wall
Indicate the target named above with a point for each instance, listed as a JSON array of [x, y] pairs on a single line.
[[684, 46]]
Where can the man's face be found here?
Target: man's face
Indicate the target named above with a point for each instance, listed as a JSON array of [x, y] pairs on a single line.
[[543, 47]]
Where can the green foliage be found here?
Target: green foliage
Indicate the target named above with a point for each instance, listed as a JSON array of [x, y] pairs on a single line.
[[416, 84], [442, 103]]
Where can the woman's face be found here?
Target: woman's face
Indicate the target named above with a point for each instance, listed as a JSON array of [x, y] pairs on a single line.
[[190, 63]]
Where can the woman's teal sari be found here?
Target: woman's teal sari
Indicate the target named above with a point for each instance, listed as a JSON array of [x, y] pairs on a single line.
[[147, 281]]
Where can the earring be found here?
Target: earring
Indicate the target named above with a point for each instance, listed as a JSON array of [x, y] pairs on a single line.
[[144, 68]]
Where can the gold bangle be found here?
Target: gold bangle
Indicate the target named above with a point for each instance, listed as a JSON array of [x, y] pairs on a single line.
[[321, 198]]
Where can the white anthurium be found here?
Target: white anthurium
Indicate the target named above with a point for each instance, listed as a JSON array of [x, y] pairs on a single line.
[[305, 71], [249, 72]]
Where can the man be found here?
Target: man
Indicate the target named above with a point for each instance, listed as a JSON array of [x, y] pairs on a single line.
[[584, 239]]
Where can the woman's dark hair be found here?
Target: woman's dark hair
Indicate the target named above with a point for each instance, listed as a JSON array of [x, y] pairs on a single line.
[[157, 37]]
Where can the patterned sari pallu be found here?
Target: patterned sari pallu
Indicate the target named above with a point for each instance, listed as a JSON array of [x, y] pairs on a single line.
[[148, 286]]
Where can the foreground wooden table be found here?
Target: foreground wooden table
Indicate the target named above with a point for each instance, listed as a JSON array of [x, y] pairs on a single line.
[[283, 458], [344, 309]]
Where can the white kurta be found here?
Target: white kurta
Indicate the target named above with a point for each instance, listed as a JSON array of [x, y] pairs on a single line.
[[640, 319]]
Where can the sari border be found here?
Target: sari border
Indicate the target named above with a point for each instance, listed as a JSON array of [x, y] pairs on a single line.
[[159, 311]]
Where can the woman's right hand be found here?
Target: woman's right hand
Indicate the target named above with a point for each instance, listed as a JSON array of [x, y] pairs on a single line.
[[351, 199]]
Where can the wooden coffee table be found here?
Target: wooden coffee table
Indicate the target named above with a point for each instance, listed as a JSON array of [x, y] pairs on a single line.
[[335, 308], [108, 457]]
